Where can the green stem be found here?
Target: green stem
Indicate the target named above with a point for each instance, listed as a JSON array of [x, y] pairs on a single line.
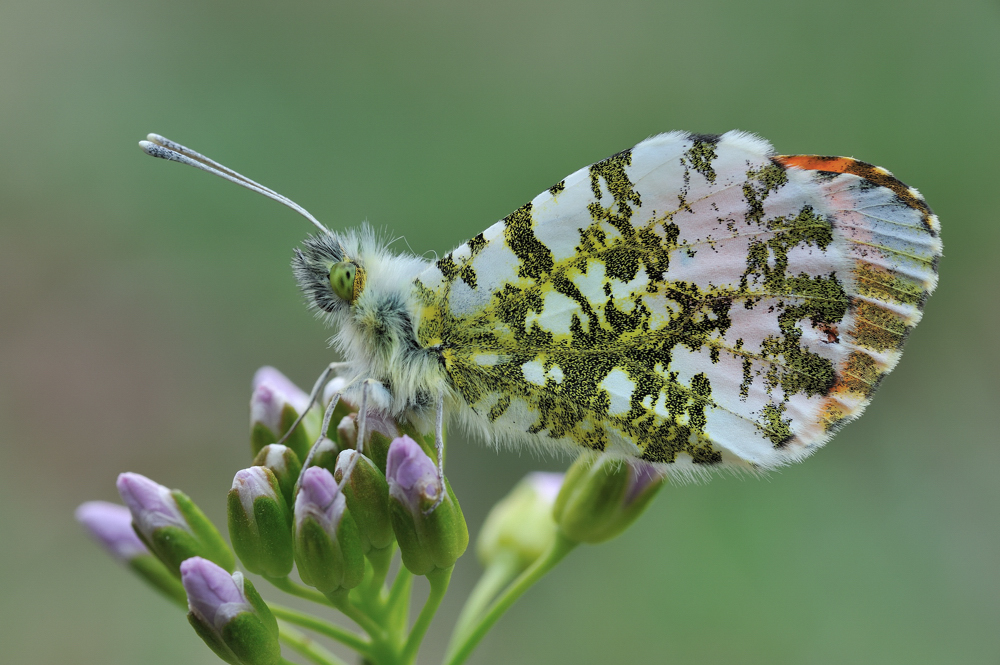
[[504, 568], [559, 549], [333, 631], [438, 579], [370, 595], [340, 600], [295, 589], [380, 560], [304, 645], [398, 606]]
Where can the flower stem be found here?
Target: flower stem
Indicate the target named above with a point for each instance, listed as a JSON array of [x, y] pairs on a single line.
[[398, 605], [504, 568], [333, 631], [560, 547], [371, 595], [438, 579], [380, 561], [294, 589], [304, 645], [340, 600]]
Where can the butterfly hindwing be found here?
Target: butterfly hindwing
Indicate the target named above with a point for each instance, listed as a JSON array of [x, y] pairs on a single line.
[[694, 301]]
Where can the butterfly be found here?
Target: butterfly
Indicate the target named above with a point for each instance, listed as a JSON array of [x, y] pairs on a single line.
[[697, 302]]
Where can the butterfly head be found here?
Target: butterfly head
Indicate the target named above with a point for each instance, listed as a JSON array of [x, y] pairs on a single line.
[[332, 277]]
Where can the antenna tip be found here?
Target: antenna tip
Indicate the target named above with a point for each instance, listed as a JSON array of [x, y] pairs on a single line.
[[157, 150], [150, 149]]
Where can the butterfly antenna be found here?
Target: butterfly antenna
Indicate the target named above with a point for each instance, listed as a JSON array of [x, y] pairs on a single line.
[[158, 146]]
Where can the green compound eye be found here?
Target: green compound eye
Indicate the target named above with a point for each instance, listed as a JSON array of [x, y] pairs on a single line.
[[347, 280]]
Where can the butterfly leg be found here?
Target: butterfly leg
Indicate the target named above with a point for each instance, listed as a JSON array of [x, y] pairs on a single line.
[[439, 449], [317, 387], [327, 416], [362, 427]]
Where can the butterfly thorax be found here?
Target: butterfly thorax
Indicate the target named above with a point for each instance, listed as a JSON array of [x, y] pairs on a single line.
[[375, 321]]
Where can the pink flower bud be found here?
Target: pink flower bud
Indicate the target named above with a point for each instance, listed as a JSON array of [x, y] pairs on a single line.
[[152, 505], [412, 475], [111, 524], [318, 498], [272, 390], [214, 596]]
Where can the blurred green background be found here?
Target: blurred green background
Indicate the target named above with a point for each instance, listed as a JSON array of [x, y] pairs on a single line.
[[137, 297]]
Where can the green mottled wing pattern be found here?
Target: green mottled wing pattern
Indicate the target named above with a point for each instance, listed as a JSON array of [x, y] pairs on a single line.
[[696, 301]]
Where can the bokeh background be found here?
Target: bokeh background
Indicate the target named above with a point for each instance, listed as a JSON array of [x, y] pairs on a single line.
[[137, 297]]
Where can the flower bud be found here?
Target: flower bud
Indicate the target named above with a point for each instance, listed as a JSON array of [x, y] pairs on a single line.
[[111, 525], [426, 541], [325, 454], [521, 524], [170, 525], [367, 494], [347, 432], [601, 496], [284, 464], [260, 524], [229, 615], [274, 405], [343, 407], [380, 430], [328, 549]]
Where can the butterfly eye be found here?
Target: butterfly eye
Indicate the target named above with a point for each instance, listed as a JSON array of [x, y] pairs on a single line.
[[347, 280]]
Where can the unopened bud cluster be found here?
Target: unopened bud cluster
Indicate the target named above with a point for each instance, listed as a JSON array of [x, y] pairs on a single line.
[[341, 514], [323, 520]]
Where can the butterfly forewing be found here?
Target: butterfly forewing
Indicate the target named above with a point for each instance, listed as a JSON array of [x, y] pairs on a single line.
[[694, 301]]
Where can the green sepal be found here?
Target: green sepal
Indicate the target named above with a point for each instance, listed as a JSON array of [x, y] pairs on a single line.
[[433, 540], [416, 557], [325, 455], [210, 544], [156, 573], [263, 544], [263, 611], [213, 640], [352, 554], [367, 495], [250, 638], [591, 506], [302, 438], [274, 524], [253, 636], [375, 447], [260, 436], [520, 526], [287, 472], [377, 450], [589, 496], [341, 411], [325, 565], [173, 545]]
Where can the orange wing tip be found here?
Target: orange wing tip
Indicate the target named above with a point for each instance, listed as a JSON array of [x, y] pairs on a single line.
[[874, 174], [818, 163]]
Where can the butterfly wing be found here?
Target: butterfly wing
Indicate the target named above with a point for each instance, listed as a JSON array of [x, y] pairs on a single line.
[[695, 301]]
